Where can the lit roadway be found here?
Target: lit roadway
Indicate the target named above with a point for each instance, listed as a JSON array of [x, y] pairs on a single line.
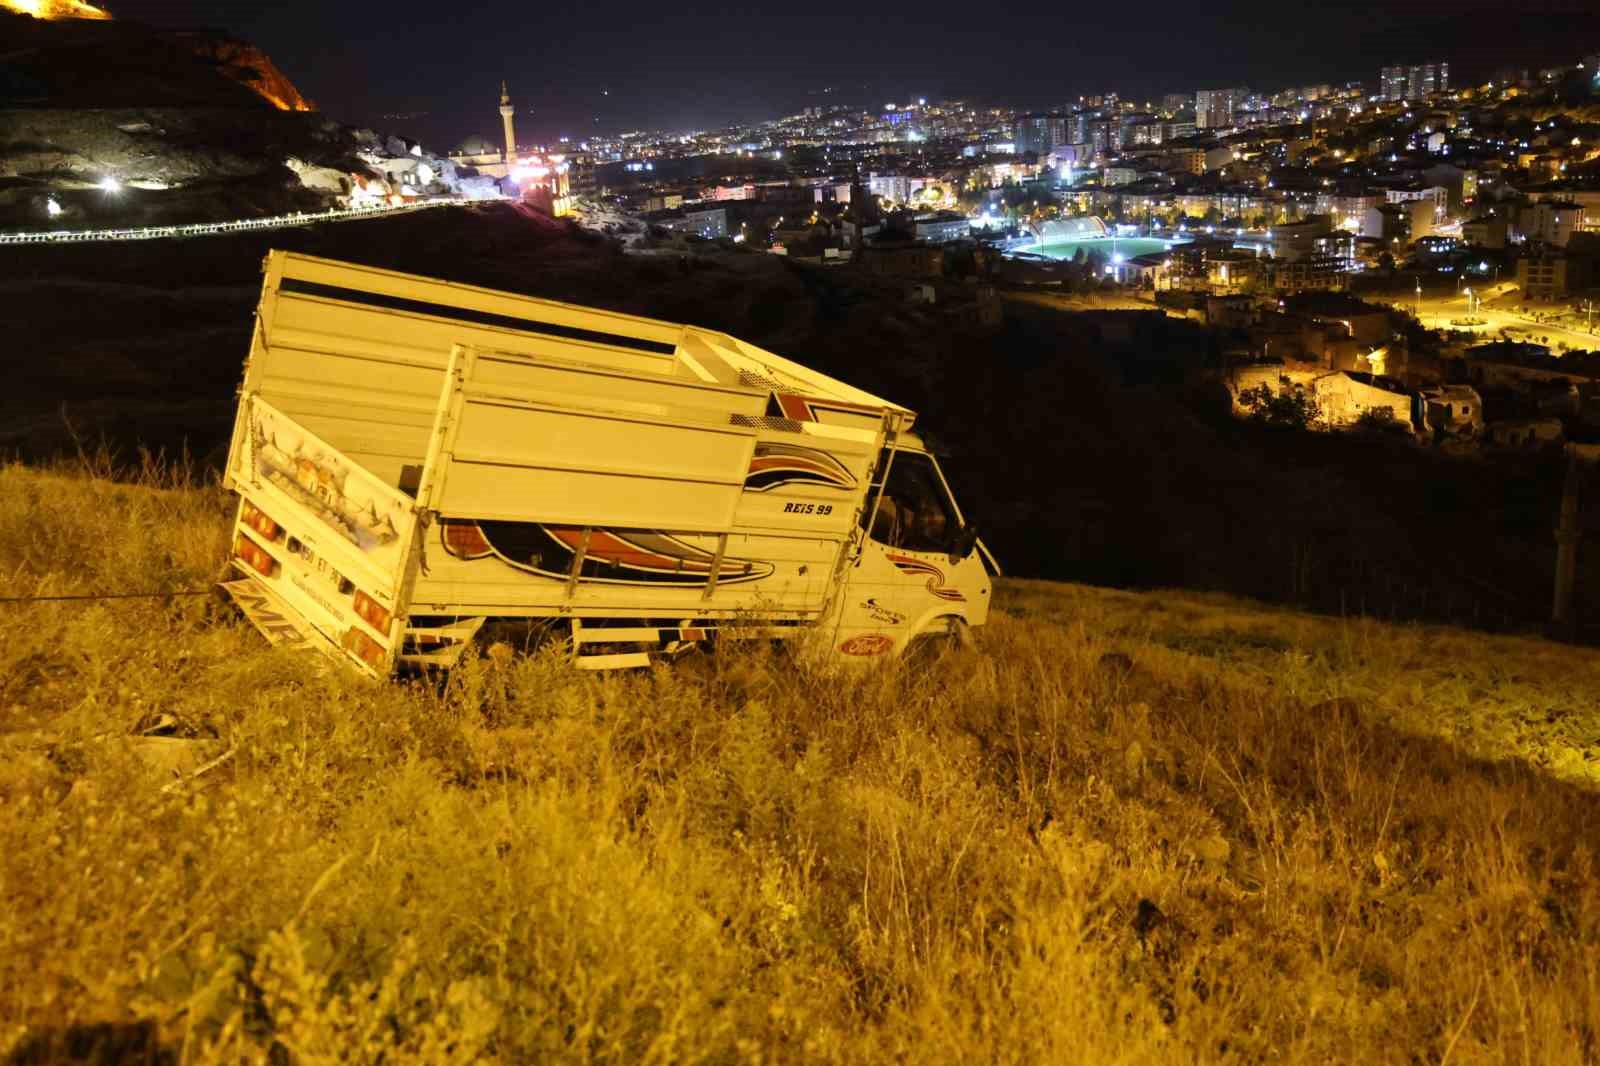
[[1495, 308], [209, 229]]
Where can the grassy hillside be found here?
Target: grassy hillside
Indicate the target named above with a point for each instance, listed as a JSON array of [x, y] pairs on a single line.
[[1128, 828]]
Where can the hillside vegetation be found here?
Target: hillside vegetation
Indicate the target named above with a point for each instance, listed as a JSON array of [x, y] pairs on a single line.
[[1126, 829]]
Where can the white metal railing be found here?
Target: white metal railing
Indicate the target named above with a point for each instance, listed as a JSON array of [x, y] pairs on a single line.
[[208, 229]]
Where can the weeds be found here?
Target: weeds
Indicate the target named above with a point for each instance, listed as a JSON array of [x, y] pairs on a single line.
[[1126, 829]]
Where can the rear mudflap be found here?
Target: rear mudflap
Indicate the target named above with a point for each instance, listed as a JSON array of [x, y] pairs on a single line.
[[274, 619]]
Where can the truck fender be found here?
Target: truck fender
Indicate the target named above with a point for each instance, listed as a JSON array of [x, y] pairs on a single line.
[[939, 622]]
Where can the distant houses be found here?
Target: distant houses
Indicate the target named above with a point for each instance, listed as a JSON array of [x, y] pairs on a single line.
[[1349, 358]]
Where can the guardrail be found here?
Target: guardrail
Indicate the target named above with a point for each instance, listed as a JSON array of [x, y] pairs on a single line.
[[209, 229]]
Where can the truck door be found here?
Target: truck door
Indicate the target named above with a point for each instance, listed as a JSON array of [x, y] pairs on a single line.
[[905, 581]]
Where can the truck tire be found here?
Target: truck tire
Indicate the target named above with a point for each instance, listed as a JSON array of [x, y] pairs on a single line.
[[951, 634]]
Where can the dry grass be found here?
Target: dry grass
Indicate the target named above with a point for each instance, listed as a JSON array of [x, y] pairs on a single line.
[[1128, 829], [1495, 697]]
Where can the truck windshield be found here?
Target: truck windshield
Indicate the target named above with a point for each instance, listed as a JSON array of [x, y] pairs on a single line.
[[916, 512]]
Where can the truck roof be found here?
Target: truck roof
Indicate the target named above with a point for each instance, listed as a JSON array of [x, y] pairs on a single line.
[[583, 334]]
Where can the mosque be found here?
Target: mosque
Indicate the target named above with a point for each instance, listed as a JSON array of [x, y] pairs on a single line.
[[537, 178]]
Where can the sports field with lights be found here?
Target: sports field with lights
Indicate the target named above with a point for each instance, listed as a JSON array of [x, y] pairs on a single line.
[[1127, 247]]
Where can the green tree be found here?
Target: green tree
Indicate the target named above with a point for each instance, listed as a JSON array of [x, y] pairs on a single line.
[[1289, 408], [972, 200]]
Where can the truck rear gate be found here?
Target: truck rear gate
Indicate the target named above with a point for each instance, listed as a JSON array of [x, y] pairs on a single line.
[[318, 539]]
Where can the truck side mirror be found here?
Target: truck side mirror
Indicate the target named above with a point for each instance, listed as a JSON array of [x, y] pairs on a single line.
[[964, 542]]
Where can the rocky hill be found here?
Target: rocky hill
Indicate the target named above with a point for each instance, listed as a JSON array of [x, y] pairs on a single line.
[[190, 125], [81, 63]]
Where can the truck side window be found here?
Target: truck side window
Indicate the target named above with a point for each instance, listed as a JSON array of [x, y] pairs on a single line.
[[915, 514]]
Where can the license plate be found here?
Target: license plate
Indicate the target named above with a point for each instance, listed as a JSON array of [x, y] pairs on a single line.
[[320, 566]]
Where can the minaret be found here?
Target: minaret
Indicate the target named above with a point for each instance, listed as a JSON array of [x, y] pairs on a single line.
[[506, 111]]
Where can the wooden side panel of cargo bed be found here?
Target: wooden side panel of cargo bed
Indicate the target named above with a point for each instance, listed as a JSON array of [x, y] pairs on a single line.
[[535, 441]]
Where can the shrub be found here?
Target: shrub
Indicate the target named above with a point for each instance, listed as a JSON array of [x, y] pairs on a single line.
[[1288, 408]]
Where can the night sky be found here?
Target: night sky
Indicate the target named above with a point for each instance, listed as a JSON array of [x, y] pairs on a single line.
[[435, 72]]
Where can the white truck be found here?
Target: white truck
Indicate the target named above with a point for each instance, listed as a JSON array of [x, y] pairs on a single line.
[[417, 460]]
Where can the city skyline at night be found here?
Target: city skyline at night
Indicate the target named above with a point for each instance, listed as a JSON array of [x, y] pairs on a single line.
[[575, 72]]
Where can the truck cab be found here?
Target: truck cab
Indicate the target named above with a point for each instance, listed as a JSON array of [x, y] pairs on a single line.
[[918, 570]]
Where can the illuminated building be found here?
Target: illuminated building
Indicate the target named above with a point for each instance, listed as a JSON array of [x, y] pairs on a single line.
[[1355, 213], [1179, 129], [1173, 104], [1232, 270], [1140, 130], [1437, 195], [481, 155], [1319, 272], [542, 181], [1414, 83], [1039, 133], [1392, 83], [1553, 273], [896, 188], [1484, 231], [1426, 79], [538, 178], [1104, 136], [583, 176], [1292, 241], [942, 227], [708, 223], [478, 153], [1552, 221], [1214, 108]]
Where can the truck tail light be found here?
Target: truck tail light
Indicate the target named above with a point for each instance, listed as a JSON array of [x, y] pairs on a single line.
[[363, 647], [372, 612], [253, 517], [255, 555], [465, 539]]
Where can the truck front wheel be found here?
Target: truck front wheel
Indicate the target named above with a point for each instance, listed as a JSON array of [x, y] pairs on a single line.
[[944, 635]]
